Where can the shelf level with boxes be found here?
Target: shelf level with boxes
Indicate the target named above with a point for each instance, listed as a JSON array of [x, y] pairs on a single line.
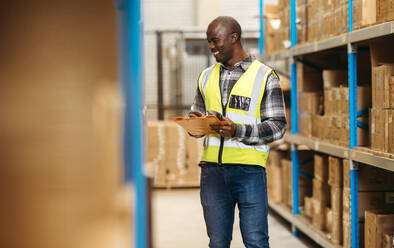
[[360, 35], [357, 55], [343, 152]]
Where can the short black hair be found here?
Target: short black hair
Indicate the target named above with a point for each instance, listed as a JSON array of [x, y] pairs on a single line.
[[230, 23]]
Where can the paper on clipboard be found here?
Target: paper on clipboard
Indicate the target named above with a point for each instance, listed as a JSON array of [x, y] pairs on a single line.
[[198, 125]]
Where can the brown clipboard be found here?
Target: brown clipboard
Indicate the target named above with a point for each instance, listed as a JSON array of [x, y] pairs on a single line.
[[198, 125]]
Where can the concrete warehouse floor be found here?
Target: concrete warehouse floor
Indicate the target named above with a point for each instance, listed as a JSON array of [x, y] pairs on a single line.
[[178, 222]]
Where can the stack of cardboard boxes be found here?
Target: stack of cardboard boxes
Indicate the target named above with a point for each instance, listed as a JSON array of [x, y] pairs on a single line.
[[329, 207], [382, 112], [375, 192], [274, 175], [279, 177], [318, 19], [320, 194], [326, 18], [333, 101], [172, 155], [277, 25], [335, 180], [304, 179]]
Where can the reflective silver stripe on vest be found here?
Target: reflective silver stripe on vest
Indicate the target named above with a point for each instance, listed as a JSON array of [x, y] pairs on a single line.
[[204, 79], [214, 141], [258, 83]]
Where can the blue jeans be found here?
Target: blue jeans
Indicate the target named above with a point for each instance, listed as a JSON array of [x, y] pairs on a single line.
[[224, 187]]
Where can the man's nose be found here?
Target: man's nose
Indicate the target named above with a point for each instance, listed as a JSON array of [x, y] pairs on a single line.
[[211, 45]]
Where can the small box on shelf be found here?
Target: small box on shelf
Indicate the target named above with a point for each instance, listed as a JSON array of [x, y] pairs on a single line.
[[377, 222]]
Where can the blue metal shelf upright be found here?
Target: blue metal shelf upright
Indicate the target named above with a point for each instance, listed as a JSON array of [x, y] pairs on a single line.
[[130, 28], [294, 113], [352, 64]]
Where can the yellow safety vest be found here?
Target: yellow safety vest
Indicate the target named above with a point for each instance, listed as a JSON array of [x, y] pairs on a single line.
[[243, 107]]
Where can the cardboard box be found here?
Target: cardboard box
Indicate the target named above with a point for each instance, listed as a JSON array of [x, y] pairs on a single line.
[[381, 52], [370, 178], [381, 133], [368, 13], [305, 124], [368, 201], [309, 79], [319, 214], [328, 221], [335, 78], [310, 102], [321, 191], [274, 183], [346, 173], [388, 240], [329, 101], [156, 137], [308, 206], [390, 127], [286, 179], [320, 127], [321, 167], [383, 86], [335, 171], [275, 157], [336, 229], [376, 223], [336, 200], [347, 234], [384, 10]]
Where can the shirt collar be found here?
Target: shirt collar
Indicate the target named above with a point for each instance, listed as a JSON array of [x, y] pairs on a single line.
[[244, 64]]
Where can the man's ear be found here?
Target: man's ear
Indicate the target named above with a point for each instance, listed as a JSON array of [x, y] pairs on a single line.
[[234, 37]]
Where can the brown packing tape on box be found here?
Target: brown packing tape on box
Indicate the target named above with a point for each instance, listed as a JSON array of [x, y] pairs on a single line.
[[376, 223]]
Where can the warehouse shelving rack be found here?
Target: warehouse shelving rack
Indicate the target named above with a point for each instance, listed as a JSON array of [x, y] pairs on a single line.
[[349, 40]]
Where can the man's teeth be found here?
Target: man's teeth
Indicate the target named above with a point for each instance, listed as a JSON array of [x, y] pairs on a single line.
[[215, 53]]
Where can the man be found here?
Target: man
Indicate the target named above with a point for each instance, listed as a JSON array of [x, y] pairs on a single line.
[[248, 98]]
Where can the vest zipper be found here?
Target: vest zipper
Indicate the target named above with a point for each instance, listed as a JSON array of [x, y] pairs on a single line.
[[221, 143]]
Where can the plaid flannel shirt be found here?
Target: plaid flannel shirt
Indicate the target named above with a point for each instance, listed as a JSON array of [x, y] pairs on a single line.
[[272, 108]]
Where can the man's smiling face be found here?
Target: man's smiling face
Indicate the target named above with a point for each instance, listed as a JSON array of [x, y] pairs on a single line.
[[220, 42]]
